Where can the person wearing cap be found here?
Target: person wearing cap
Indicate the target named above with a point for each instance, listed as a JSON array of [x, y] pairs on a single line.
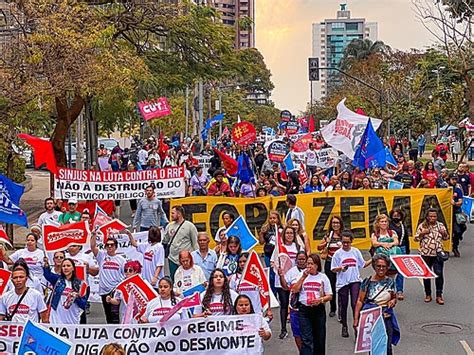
[[71, 215], [456, 201]]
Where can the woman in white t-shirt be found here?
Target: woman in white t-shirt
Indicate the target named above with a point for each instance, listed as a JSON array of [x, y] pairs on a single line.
[[153, 255], [70, 293], [243, 305], [162, 304], [188, 275], [218, 299], [292, 248], [32, 255], [314, 289], [346, 263]]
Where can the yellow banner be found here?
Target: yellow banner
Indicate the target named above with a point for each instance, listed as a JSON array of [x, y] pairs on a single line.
[[357, 208]]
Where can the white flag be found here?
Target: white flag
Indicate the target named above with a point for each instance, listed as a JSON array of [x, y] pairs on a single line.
[[345, 132]]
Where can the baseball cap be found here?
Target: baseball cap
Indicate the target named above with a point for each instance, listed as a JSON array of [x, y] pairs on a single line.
[[72, 200]]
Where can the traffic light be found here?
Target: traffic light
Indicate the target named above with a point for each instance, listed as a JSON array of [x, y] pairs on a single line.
[[313, 67]]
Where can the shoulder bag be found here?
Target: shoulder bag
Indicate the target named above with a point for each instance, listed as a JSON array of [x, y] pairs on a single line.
[[9, 317], [167, 246]]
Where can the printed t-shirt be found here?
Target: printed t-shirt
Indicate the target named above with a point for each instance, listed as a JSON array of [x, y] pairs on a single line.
[[111, 271], [354, 261], [153, 256], [30, 307], [312, 287], [63, 315]]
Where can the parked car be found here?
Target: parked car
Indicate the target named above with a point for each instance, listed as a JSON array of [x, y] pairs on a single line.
[[109, 143]]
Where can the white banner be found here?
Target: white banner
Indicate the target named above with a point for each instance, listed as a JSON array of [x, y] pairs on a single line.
[[326, 157], [121, 185], [345, 132], [223, 335]]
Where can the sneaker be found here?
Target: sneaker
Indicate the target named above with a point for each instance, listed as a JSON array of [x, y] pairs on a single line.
[[345, 332], [332, 314], [428, 299], [440, 300], [283, 334]]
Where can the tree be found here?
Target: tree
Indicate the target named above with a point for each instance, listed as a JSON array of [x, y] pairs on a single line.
[[360, 49]]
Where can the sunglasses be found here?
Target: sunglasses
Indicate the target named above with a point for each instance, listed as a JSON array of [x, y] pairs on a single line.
[[110, 245], [59, 257], [129, 270]]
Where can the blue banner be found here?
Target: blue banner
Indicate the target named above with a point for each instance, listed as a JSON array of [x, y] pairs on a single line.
[[41, 341], [371, 151], [210, 122], [10, 195]]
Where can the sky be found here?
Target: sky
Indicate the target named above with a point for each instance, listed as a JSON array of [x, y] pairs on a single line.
[[284, 31]]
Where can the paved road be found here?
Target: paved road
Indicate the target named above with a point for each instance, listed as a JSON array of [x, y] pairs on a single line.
[[418, 320]]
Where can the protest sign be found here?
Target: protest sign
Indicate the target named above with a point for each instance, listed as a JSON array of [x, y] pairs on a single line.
[[367, 320], [244, 133], [154, 108], [141, 291], [204, 162], [394, 185], [276, 150], [358, 211], [412, 266], [325, 158], [232, 335], [60, 238], [118, 185], [292, 126]]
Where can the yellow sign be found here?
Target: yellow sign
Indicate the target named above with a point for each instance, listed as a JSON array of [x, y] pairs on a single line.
[[357, 209]]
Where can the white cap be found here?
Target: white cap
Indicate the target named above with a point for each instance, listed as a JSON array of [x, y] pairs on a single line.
[[72, 200]]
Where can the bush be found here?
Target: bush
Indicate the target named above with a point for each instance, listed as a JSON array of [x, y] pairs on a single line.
[[19, 164]]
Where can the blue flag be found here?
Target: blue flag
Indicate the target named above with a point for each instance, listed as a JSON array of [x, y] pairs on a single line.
[[395, 185], [189, 292], [389, 157], [210, 122], [10, 195], [244, 168], [269, 131], [371, 152], [379, 338], [42, 341], [467, 204], [241, 230], [289, 165]]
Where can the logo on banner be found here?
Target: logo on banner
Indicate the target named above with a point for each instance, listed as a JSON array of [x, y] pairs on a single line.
[[367, 320], [60, 238], [111, 228], [254, 274], [244, 133], [292, 126], [277, 151], [140, 289], [155, 108]]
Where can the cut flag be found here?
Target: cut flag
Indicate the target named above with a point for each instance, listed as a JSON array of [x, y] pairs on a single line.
[[311, 125], [39, 340], [142, 293], [10, 195], [412, 266], [60, 238], [389, 158], [100, 218], [43, 152], [111, 228], [280, 257], [230, 164], [254, 274], [371, 151]]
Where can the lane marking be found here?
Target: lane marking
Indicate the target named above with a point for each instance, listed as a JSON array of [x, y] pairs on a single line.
[[466, 347]]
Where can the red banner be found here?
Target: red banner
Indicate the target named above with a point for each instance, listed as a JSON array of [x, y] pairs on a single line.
[[154, 108], [412, 266], [111, 228], [140, 289], [4, 277], [255, 274], [367, 320], [244, 133], [60, 238]]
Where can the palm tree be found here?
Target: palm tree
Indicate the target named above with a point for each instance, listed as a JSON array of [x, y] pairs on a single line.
[[360, 49]]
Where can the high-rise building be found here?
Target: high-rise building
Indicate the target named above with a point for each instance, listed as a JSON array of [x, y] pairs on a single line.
[[240, 14], [330, 38]]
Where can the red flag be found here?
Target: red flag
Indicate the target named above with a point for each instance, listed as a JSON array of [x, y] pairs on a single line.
[[60, 238], [311, 125], [112, 227], [43, 152], [302, 144], [4, 277], [303, 174], [4, 238], [280, 256], [100, 218], [140, 289], [255, 274], [162, 148], [106, 205], [83, 290], [81, 272], [360, 112], [412, 266], [226, 131], [230, 164], [191, 301]]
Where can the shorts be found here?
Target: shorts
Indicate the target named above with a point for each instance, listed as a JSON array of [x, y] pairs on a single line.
[[295, 323]]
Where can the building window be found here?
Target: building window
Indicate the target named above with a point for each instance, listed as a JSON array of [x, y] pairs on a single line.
[[337, 26], [352, 26]]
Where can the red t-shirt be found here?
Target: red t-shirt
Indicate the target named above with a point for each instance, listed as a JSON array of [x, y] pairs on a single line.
[[431, 177]]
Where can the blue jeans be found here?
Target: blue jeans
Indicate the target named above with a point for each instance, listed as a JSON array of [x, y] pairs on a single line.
[[272, 274], [313, 330], [470, 154], [399, 279], [421, 149]]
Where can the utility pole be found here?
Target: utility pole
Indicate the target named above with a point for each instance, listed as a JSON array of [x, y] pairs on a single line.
[[200, 108], [186, 110]]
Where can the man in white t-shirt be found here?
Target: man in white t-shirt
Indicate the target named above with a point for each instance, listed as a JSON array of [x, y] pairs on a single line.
[[50, 216], [311, 159], [31, 304]]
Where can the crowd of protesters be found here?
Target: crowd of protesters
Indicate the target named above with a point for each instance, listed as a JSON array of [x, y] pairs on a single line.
[[48, 288]]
